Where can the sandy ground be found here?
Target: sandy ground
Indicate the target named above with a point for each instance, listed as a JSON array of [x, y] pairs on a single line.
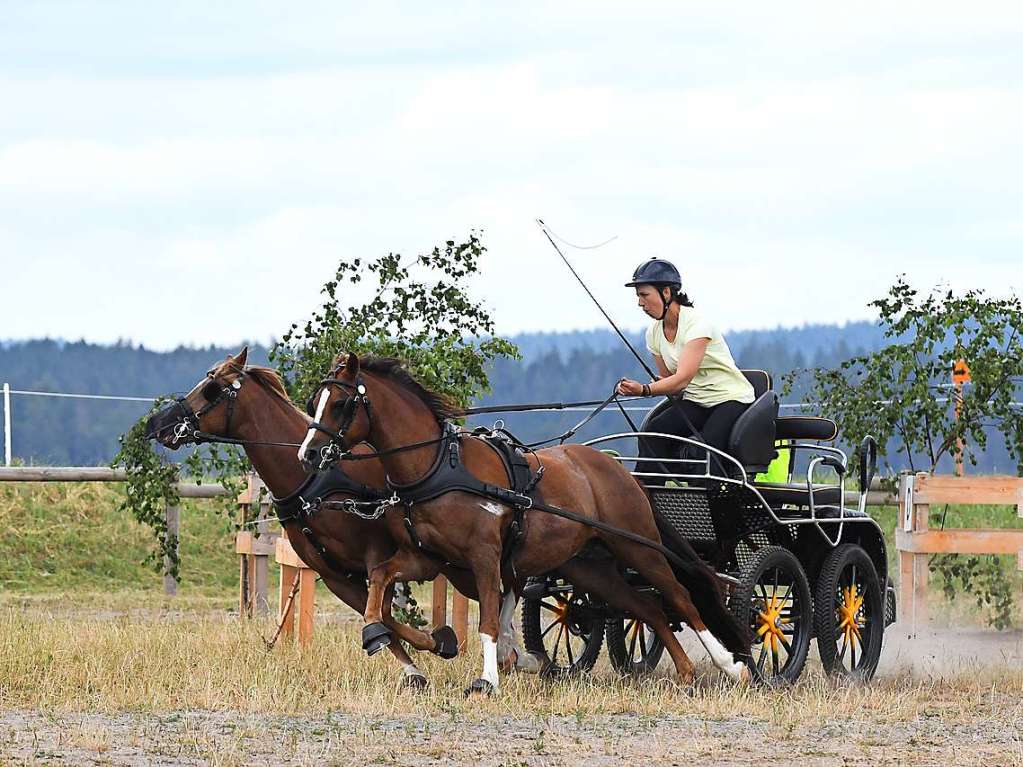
[[990, 733]]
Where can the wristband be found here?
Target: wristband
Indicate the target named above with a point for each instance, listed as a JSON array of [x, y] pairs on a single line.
[[646, 390]]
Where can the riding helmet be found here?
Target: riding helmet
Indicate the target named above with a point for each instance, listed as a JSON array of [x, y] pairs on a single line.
[[656, 271]]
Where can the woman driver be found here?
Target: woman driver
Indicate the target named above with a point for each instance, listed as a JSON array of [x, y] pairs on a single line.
[[691, 356]]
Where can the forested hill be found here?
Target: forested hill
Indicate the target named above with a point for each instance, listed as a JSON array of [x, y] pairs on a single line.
[[555, 368]]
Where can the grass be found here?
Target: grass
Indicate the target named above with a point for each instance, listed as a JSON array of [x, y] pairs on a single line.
[[70, 537], [214, 662]]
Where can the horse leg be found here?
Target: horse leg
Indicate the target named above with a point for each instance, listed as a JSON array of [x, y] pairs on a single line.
[[487, 570], [511, 656], [653, 566], [353, 593], [606, 582], [376, 634]]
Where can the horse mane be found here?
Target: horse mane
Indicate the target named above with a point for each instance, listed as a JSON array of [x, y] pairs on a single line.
[[268, 378], [441, 405]]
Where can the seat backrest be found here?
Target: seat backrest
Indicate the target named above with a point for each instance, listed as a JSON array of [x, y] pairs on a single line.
[[751, 441], [760, 379]]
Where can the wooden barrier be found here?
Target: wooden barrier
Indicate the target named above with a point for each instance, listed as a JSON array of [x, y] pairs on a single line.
[[295, 574], [916, 542], [254, 544]]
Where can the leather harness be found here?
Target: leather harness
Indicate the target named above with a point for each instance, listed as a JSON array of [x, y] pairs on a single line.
[[449, 473]]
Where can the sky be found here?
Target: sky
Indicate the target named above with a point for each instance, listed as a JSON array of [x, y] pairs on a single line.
[[192, 172]]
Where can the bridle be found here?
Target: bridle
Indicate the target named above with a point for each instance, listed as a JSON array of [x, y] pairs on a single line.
[[334, 449], [186, 429]]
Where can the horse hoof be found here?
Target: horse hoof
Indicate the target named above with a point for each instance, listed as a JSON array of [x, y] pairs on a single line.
[[480, 687], [375, 637], [447, 642], [413, 682]]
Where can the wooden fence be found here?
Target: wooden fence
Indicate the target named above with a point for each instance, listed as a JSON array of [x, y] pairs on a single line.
[[916, 542]]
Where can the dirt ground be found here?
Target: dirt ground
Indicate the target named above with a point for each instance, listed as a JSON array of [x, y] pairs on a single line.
[[953, 729]]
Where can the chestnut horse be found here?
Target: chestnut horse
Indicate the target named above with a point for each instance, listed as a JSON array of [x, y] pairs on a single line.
[[249, 404], [376, 400]]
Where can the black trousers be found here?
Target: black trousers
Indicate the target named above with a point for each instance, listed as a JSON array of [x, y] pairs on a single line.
[[714, 423]]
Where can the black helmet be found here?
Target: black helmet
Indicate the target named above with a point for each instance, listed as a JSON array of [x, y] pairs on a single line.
[[656, 271]]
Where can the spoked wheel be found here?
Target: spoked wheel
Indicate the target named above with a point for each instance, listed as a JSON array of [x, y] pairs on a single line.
[[773, 599], [849, 613], [564, 629], [632, 646]]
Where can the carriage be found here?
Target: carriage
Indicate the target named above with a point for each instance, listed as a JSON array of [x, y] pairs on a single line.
[[797, 563]]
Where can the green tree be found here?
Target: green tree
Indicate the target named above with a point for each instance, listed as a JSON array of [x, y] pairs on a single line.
[[420, 311], [901, 393]]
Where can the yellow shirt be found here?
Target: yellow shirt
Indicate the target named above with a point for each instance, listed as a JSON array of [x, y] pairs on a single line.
[[719, 378]]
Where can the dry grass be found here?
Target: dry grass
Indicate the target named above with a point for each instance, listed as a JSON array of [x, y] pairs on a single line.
[[217, 663]]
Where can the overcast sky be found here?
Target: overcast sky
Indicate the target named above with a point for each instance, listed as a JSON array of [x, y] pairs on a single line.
[[191, 172]]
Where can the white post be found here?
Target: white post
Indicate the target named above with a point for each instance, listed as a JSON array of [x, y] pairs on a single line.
[[7, 424]]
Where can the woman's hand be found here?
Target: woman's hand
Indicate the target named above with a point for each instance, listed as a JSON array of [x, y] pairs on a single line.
[[630, 388]]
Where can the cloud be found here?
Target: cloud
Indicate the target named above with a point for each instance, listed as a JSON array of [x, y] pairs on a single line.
[[792, 159]]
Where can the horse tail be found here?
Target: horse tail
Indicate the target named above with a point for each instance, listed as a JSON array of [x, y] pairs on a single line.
[[705, 590]]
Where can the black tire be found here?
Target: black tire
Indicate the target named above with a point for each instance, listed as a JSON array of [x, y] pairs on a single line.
[[632, 646], [564, 629], [849, 613], [773, 599]]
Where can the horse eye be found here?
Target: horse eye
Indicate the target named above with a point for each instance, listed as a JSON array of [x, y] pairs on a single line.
[[310, 408], [212, 391]]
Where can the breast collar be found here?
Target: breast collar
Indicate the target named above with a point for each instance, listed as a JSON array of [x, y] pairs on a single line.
[[317, 487]]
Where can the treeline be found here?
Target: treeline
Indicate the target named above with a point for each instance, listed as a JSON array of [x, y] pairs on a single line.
[[561, 367]]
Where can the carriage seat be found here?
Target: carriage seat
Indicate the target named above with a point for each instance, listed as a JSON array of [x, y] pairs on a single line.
[[751, 441], [805, 427]]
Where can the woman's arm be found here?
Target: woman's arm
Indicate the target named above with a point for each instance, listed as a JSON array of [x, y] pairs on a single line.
[[688, 363], [670, 383]]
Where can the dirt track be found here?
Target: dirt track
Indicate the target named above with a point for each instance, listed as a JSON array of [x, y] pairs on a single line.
[[224, 739]]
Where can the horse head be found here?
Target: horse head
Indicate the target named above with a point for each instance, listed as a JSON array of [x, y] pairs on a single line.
[[340, 411], [209, 407]]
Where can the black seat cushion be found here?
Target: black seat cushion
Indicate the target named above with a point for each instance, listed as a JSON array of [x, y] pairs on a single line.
[[805, 427]]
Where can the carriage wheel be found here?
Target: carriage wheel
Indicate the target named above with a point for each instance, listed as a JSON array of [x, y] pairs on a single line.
[[564, 629], [849, 613], [773, 599], [632, 646]]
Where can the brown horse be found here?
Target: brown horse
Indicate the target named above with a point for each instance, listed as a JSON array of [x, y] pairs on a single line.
[[376, 400], [250, 404]]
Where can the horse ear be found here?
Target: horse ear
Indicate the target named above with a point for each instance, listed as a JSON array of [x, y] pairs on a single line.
[[352, 364], [240, 357]]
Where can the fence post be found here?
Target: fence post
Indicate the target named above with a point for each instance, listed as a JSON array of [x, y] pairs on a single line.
[[173, 517], [7, 424]]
